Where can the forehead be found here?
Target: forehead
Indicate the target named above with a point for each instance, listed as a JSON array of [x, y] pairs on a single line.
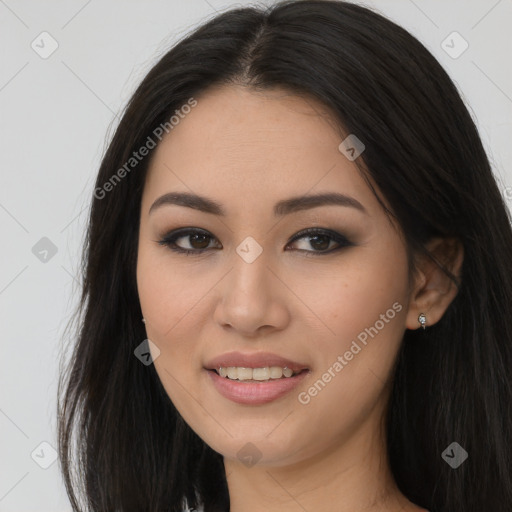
[[241, 146], [239, 119]]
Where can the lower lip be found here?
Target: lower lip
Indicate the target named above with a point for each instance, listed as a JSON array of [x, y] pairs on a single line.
[[255, 393]]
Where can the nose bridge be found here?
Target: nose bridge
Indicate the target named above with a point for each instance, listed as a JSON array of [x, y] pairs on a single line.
[[250, 272], [250, 296]]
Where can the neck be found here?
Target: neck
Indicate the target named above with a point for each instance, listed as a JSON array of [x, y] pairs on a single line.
[[353, 476]]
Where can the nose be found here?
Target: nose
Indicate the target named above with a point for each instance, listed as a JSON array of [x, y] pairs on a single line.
[[252, 299]]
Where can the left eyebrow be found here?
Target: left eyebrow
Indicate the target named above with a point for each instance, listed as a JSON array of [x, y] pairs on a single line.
[[284, 207]]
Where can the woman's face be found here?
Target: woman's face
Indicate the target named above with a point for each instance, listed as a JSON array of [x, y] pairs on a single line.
[[333, 301]]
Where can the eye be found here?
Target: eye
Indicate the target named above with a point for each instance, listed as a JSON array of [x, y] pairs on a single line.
[[197, 241], [322, 240]]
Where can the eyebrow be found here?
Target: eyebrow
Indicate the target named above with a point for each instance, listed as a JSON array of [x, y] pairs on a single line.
[[284, 207]]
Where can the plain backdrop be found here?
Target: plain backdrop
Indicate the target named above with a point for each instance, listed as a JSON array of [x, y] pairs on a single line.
[[57, 113]]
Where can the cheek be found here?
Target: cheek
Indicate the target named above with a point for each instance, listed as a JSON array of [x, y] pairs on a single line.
[[172, 309], [365, 312], [362, 308], [165, 292], [352, 295]]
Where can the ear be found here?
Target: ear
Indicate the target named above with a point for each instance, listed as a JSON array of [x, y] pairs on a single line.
[[432, 290]]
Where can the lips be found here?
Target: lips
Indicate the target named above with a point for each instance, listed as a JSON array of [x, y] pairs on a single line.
[[255, 393], [254, 360]]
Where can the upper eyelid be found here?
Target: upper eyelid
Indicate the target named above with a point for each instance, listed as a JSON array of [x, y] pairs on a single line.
[[183, 232]]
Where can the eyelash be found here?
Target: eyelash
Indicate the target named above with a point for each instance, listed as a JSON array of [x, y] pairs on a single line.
[[169, 240]]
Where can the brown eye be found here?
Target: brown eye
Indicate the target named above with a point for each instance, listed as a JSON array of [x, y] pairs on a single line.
[[320, 240], [198, 241], [189, 241]]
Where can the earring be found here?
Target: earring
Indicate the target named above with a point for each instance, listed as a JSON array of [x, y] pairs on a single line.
[[422, 319], [144, 320]]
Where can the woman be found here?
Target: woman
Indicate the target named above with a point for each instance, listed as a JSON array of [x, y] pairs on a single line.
[[297, 282]]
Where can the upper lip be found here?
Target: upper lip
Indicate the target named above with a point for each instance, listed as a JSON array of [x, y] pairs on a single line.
[[253, 360]]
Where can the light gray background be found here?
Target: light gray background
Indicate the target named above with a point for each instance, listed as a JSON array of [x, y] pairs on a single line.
[[56, 116]]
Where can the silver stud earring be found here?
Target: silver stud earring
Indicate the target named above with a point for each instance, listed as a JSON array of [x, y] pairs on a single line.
[[422, 319], [144, 320]]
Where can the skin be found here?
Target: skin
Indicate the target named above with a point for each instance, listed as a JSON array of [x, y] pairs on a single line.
[[247, 150]]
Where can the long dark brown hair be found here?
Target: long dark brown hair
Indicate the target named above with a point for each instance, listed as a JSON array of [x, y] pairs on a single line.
[[122, 444]]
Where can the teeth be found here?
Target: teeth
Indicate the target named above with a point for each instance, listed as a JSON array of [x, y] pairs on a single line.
[[267, 373], [232, 372]]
